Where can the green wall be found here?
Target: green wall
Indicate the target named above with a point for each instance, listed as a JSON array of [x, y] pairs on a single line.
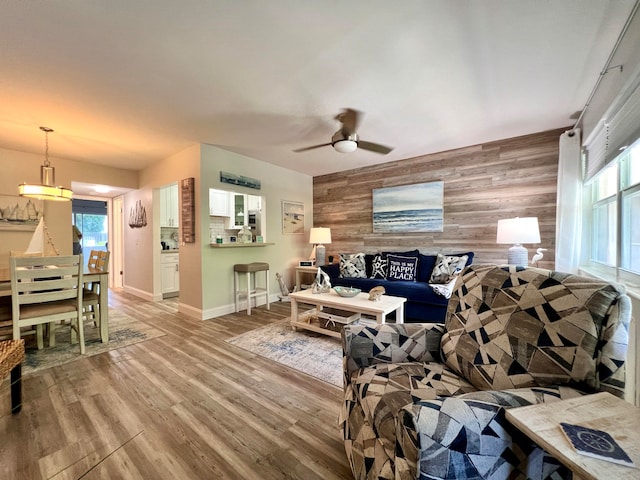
[[277, 184]]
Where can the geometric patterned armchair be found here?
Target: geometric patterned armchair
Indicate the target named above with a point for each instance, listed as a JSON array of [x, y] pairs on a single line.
[[428, 401]]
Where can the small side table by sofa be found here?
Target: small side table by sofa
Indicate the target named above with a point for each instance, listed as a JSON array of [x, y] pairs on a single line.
[[300, 271], [601, 411]]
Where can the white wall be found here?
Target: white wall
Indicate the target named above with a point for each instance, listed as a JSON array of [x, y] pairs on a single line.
[[142, 274]]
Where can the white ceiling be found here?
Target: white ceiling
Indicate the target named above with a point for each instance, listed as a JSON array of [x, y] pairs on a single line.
[[127, 83]]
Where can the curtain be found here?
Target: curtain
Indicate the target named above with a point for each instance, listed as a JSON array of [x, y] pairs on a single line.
[[569, 203]]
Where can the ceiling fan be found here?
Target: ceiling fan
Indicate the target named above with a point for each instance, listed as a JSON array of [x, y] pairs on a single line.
[[346, 139]]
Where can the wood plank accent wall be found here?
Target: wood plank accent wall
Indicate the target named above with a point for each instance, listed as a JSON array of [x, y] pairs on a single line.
[[482, 184]]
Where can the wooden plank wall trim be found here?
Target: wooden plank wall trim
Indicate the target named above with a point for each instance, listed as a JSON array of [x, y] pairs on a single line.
[[482, 184]]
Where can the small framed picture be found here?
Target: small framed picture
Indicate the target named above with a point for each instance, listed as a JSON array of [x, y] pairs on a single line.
[[292, 217], [233, 239]]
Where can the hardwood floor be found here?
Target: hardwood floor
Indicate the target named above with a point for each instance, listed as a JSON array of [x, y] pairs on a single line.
[[186, 405]]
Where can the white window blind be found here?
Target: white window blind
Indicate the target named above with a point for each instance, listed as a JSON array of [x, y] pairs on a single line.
[[596, 148], [618, 128], [625, 125]]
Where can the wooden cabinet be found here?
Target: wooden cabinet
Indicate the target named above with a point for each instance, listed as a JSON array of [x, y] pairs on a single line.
[[219, 203], [170, 273], [169, 206]]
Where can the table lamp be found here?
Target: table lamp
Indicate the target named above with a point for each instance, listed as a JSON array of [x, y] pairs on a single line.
[[517, 231], [318, 237]]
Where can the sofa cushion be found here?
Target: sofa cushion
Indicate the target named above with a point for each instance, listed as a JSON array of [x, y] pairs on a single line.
[[425, 267], [427, 262], [447, 267], [408, 253], [352, 265], [413, 291], [513, 327], [383, 389], [378, 267], [467, 435], [401, 268]]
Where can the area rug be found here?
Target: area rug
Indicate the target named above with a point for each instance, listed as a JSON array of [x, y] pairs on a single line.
[[123, 331], [312, 353]]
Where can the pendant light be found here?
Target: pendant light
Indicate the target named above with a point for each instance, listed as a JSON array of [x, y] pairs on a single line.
[[47, 189]]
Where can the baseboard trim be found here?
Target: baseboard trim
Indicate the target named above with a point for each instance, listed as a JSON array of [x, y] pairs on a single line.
[[212, 313], [190, 311], [141, 293]]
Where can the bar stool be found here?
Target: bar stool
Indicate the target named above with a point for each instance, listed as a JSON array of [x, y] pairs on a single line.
[[250, 269]]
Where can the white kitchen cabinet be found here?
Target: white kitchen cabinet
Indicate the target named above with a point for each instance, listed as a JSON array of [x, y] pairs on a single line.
[[238, 209], [219, 203], [254, 202], [169, 206], [170, 273]]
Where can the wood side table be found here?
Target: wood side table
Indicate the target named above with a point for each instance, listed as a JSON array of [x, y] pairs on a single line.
[[602, 411], [303, 271]]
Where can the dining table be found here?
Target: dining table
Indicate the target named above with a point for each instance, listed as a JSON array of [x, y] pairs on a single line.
[[89, 275]]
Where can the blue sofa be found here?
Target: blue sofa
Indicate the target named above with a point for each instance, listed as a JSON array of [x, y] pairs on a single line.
[[423, 304]]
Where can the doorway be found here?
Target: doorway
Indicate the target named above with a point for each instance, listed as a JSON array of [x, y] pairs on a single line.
[[99, 219], [92, 219]]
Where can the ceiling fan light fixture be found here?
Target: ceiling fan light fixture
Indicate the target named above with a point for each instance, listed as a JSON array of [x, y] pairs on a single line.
[[345, 146], [47, 189]]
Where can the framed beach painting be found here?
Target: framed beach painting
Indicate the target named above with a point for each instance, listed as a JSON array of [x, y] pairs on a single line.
[[19, 213], [409, 208], [292, 217]]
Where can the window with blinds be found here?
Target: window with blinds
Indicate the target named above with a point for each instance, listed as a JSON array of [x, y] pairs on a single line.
[[613, 217]]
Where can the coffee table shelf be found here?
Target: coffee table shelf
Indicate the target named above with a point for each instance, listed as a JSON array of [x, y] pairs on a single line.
[[358, 305]]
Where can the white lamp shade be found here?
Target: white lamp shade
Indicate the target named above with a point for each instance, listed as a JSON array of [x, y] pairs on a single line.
[[345, 146], [320, 235], [518, 230]]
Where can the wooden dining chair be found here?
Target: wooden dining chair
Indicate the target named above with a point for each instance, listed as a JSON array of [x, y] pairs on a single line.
[[46, 290], [98, 261]]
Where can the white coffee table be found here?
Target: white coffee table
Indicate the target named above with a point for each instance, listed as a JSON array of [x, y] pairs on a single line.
[[360, 304]]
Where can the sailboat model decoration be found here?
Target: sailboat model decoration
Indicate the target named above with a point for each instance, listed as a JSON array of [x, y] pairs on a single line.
[[41, 242]]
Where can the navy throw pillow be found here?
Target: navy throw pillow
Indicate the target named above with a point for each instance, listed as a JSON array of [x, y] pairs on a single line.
[[425, 267], [402, 268], [379, 267]]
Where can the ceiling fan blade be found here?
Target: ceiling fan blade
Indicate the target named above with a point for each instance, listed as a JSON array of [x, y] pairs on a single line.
[[312, 147], [350, 120], [374, 147]]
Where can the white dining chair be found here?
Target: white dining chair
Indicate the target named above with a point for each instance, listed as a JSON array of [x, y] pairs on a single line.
[[47, 290]]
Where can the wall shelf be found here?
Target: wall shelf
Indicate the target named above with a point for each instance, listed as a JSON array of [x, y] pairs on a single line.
[[240, 245]]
